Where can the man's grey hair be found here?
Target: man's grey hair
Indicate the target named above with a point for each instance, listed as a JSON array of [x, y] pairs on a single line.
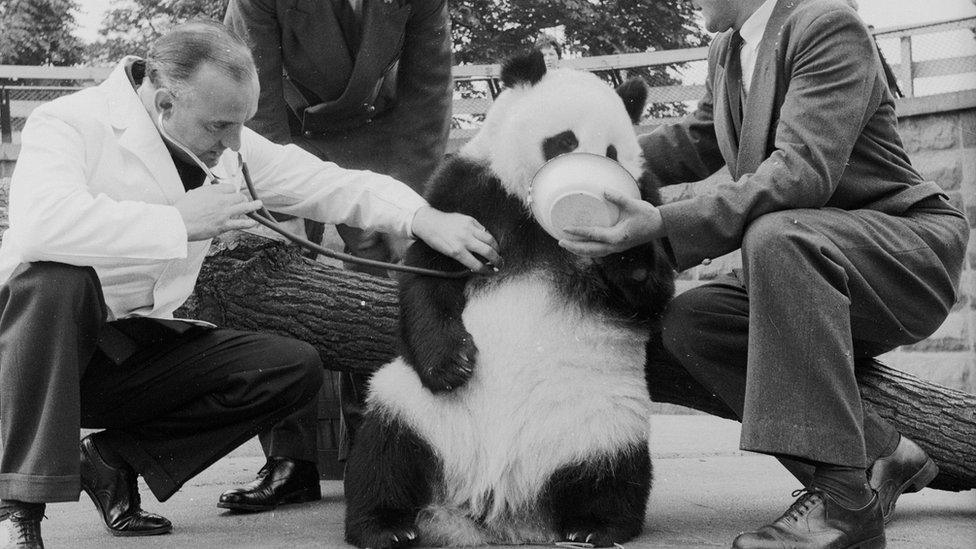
[[176, 56]]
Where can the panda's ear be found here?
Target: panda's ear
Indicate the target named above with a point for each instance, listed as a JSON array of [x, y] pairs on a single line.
[[525, 69], [634, 93]]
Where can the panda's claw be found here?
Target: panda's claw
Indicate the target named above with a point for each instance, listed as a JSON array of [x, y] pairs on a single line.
[[389, 538]]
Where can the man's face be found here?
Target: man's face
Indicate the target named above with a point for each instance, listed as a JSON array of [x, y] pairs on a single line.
[[719, 15], [550, 57], [207, 115]]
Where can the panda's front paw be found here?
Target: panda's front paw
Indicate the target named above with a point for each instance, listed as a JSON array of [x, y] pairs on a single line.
[[453, 368], [377, 537]]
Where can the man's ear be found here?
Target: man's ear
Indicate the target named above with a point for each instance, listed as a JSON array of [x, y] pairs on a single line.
[[163, 100]]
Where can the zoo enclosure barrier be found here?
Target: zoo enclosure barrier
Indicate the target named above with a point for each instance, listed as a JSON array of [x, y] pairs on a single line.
[[925, 59]]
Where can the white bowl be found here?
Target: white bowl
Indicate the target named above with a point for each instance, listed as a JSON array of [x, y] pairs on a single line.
[[568, 191]]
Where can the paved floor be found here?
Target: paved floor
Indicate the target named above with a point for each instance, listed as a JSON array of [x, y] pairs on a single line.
[[705, 492]]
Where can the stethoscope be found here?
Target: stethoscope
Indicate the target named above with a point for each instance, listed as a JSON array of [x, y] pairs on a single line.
[[263, 216]]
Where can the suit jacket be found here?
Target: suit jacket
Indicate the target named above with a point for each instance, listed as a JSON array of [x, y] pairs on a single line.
[[386, 108], [819, 130], [95, 186]]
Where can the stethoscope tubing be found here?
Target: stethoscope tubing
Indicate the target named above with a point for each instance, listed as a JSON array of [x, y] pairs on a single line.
[[263, 216]]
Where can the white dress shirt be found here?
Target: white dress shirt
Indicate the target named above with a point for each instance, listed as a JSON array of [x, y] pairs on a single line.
[[752, 32]]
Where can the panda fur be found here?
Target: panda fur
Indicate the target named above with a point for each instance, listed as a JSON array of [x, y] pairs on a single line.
[[518, 410]]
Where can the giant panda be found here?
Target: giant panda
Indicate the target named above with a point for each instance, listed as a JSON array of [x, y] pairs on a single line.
[[518, 409]]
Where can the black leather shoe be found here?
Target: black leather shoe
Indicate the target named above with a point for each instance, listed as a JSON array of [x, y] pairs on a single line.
[[115, 493], [908, 469], [21, 529], [279, 482], [816, 520]]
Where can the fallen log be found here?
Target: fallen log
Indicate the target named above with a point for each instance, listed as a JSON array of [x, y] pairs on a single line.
[[254, 283]]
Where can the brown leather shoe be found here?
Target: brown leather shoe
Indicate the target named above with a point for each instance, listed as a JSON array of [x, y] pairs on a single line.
[[21, 528], [115, 493], [817, 521], [906, 470], [280, 481]]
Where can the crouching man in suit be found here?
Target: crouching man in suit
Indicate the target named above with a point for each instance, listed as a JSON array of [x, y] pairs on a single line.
[[846, 253], [115, 197]]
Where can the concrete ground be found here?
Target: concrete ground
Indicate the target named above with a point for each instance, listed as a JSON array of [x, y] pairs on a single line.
[[705, 492]]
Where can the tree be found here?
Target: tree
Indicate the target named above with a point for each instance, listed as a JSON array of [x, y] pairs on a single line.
[[132, 25], [486, 32], [253, 283], [489, 32], [38, 32]]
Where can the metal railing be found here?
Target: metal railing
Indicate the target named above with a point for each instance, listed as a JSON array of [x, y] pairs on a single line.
[[23, 88]]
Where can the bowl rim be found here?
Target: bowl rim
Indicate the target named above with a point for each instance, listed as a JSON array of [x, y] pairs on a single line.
[[552, 160]]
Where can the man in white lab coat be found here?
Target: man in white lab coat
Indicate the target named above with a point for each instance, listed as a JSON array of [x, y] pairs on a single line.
[[109, 225]]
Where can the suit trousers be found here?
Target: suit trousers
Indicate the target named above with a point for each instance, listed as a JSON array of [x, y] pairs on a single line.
[[172, 397], [819, 291]]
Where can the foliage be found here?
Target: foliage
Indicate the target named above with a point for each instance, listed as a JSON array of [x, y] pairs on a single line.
[[38, 32], [486, 31], [130, 26]]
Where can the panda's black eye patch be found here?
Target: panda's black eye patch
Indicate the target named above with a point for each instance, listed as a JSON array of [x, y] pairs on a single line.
[[559, 144], [612, 152]]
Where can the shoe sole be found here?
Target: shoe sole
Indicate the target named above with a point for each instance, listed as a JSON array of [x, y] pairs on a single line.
[[919, 480], [877, 542], [302, 496]]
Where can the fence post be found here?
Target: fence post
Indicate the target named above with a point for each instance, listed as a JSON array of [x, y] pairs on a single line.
[[6, 130], [907, 84]]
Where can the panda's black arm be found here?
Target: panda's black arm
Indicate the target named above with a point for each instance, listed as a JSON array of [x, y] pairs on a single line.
[[433, 339], [640, 281]]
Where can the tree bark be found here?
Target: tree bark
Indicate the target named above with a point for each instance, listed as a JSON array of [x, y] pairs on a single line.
[[257, 284]]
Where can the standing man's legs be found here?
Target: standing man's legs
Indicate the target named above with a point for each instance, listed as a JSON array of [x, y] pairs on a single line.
[[778, 342]]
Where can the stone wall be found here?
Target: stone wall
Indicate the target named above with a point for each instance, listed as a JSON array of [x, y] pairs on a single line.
[[939, 133]]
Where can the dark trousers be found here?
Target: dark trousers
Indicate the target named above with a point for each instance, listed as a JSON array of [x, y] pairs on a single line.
[[778, 341], [172, 399]]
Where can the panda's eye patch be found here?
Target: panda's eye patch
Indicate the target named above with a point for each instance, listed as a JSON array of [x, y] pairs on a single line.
[[612, 152], [558, 144]]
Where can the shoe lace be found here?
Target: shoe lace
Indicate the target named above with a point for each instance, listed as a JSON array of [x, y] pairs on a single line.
[[27, 525], [806, 499]]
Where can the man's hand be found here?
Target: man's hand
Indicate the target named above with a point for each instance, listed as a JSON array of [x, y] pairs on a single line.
[[210, 210], [457, 236], [639, 223]]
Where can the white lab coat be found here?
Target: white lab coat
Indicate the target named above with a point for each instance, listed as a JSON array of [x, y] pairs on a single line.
[[95, 185]]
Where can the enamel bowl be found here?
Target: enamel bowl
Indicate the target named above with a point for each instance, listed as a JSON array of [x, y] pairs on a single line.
[[568, 191]]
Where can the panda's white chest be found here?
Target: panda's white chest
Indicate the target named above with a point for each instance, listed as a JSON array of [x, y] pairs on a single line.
[[552, 386]]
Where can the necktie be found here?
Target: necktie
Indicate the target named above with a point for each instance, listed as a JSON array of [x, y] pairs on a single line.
[[349, 22], [733, 81]]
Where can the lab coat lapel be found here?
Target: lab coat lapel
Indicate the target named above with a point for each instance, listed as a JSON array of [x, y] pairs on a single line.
[[139, 135]]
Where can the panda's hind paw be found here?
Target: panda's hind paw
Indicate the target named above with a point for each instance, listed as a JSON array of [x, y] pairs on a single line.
[[389, 538], [596, 537]]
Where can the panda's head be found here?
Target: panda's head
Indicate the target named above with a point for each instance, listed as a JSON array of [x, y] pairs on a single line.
[[542, 114]]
